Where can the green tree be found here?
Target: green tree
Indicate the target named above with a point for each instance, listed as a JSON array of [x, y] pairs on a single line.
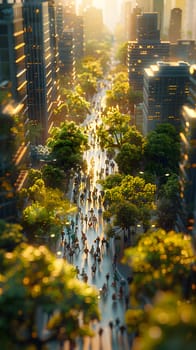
[[88, 84], [169, 324], [11, 236], [121, 54], [160, 261], [53, 177], [67, 144], [169, 206], [129, 159], [36, 283], [46, 214], [126, 214], [162, 152], [113, 132]]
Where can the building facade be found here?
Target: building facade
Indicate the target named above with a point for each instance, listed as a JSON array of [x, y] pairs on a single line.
[[14, 148], [40, 84], [146, 50], [166, 90]]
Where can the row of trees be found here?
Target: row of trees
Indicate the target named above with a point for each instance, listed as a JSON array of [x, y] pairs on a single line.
[[164, 280], [34, 284], [152, 160]]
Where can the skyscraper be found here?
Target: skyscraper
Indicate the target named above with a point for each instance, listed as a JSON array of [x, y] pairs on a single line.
[[39, 66], [14, 149], [166, 89], [146, 50], [175, 25]]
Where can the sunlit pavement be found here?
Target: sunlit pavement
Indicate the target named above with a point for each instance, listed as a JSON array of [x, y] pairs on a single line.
[[110, 309]]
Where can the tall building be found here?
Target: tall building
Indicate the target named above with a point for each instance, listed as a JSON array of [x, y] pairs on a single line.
[[126, 19], [145, 5], [93, 24], [146, 50], [66, 53], [133, 23], [175, 25], [183, 50], [54, 52], [158, 6], [14, 148], [39, 66], [166, 90]]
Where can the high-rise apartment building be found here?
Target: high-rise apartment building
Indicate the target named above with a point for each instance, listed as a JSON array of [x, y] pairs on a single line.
[[146, 50], [183, 50], [133, 23], [188, 156], [175, 25], [14, 149], [39, 66], [166, 89], [93, 24]]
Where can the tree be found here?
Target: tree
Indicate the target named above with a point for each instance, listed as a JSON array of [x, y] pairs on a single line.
[[88, 84], [73, 107], [162, 152], [67, 144], [126, 214], [11, 236], [113, 132], [121, 54], [132, 190], [129, 159], [36, 283], [53, 177], [160, 261], [46, 213], [169, 324], [169, 205]]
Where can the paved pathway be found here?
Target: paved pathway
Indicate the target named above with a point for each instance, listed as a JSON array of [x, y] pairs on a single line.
[[110, 309]]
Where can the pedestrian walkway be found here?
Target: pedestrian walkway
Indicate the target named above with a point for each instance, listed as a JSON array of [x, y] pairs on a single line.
[[91, 252]]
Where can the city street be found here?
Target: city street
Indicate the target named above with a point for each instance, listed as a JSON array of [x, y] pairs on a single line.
[[112, 299]]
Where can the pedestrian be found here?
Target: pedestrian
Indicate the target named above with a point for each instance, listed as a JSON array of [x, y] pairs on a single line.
[[117, 322], [62, 235], [107, 277], [111, 325], [100, 332], [122, 329]]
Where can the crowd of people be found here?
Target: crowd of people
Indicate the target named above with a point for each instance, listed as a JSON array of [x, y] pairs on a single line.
[[86, 246]]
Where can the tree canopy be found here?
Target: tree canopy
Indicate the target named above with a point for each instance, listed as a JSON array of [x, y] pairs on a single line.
[[67, 144], [160, 261], [36, 282], [162, 151]]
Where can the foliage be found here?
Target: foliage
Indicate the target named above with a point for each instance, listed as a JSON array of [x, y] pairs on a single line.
[[126, 214], [67, 144], [133, 189], [113, 132], [36, 282], [74, 106], [46, 213], [160, 261], [88, 84], [162, 151], [111, 181], [53, 177], [121, 54], [129, 158], [169, 324], [169, 205], [10, 236], [135, 195]]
